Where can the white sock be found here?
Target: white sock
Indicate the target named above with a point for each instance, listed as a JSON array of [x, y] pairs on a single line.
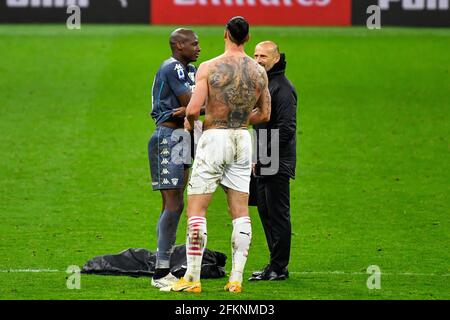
[[195, 245], [240, 243]]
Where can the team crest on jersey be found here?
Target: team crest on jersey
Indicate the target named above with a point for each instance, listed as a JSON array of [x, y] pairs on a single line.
[[174, 181], [180, 71]]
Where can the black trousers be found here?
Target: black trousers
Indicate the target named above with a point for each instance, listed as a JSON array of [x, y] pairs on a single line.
[[273, 196]]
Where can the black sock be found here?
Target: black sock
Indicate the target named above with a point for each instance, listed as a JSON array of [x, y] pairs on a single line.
[[161, 273]]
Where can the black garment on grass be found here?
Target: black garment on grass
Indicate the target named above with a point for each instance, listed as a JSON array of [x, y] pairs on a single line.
[[141, 263]]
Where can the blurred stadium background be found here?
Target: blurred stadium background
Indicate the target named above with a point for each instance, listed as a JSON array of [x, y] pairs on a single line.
[[372, 184]]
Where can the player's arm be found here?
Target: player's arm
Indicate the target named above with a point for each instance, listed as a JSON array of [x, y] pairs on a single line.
[[198, 96], [286, 102], [176, 79], [261, 112], [184, 101]]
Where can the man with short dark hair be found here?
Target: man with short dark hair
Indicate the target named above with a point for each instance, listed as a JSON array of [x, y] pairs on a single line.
[[235, 90], [171, 92], [273, 196]]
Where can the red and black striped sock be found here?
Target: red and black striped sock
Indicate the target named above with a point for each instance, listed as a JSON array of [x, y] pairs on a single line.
[[195, 245]]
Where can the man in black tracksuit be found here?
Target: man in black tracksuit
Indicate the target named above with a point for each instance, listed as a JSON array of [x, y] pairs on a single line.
[[273, 196]]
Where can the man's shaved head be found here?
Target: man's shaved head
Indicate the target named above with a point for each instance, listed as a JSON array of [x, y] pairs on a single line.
[[184, 44], [180, 35], [271, 46], [267, 54]]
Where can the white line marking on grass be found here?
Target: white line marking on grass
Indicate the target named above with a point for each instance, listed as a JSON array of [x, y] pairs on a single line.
[[28, 270], [365, 273], [411, 274]]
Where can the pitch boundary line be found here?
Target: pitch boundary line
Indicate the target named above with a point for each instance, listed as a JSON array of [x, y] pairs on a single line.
[[29, 270], [291, 272], [365, 273]]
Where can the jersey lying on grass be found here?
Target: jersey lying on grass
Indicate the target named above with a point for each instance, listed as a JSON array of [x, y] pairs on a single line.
[[141, 262]]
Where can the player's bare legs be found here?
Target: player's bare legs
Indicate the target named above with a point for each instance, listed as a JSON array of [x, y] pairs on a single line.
[[237, 203], [173, 200], [198, 204], [240, 238]]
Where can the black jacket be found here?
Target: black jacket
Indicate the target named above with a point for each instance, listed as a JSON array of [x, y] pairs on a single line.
[[283, 117]]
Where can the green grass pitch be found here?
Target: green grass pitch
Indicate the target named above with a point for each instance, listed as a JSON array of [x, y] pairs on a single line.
[[373, 161]]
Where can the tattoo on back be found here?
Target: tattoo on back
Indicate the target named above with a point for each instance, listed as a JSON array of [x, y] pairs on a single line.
[[236, 82], [220, 122]]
